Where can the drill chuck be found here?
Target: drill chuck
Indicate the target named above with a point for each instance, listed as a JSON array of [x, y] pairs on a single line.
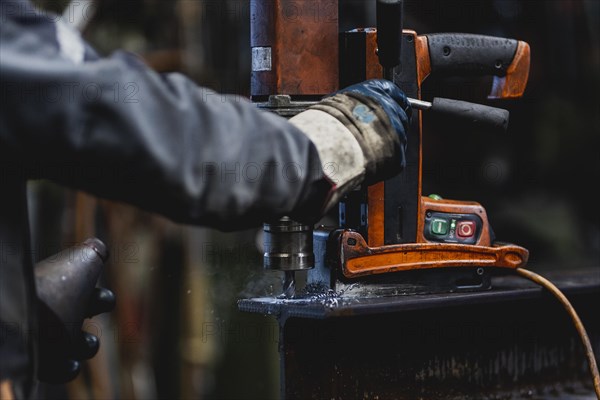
[[288, 246]]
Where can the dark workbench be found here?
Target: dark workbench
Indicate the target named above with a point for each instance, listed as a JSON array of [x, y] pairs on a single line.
[[514, 341]]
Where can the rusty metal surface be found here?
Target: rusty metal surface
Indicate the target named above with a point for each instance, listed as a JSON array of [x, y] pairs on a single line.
[[302, 40]]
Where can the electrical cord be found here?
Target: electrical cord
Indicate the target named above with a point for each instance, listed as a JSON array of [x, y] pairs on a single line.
[[546, 284]]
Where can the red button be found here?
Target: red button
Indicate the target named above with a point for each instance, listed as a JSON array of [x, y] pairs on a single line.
[[465, 229]]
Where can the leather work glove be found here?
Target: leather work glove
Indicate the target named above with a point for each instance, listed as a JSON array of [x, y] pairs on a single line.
[[66, 296], [360, 133]]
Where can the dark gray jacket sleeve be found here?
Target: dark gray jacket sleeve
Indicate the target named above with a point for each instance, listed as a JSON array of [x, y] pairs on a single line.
[[115, 128]]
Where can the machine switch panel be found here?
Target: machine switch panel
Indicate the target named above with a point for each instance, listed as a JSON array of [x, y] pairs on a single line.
[[452, 228]]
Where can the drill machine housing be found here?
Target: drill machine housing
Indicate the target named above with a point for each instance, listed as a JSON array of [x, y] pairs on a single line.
[[389, 235]]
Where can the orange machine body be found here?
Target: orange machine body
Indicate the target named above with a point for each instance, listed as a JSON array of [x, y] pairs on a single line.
[[299, 55], [294, 48], [360, 256]]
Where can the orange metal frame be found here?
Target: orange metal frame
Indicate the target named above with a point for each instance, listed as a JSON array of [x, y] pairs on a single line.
[[359, 258]]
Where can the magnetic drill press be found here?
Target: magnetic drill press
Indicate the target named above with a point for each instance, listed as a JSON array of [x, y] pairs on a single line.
[[390, 238], [384, 313]]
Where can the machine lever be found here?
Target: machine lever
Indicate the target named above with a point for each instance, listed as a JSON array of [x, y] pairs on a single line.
[[477, 114]]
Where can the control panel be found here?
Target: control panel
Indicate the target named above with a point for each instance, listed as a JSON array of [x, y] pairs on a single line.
[[452, 228]]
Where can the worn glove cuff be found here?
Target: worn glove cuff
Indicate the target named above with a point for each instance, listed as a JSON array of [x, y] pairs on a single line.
[[373, 131]]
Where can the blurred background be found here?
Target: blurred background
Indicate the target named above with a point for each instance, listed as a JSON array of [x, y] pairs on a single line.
[[176, 332]]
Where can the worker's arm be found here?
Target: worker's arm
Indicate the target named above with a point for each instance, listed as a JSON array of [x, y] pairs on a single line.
[[119, 130]]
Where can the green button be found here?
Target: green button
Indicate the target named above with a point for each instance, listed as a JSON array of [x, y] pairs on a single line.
[[439, 226]]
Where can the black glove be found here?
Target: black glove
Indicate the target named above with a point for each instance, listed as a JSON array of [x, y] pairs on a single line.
[[377, 112], [66, 296], [63, 348], [360, 133]]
